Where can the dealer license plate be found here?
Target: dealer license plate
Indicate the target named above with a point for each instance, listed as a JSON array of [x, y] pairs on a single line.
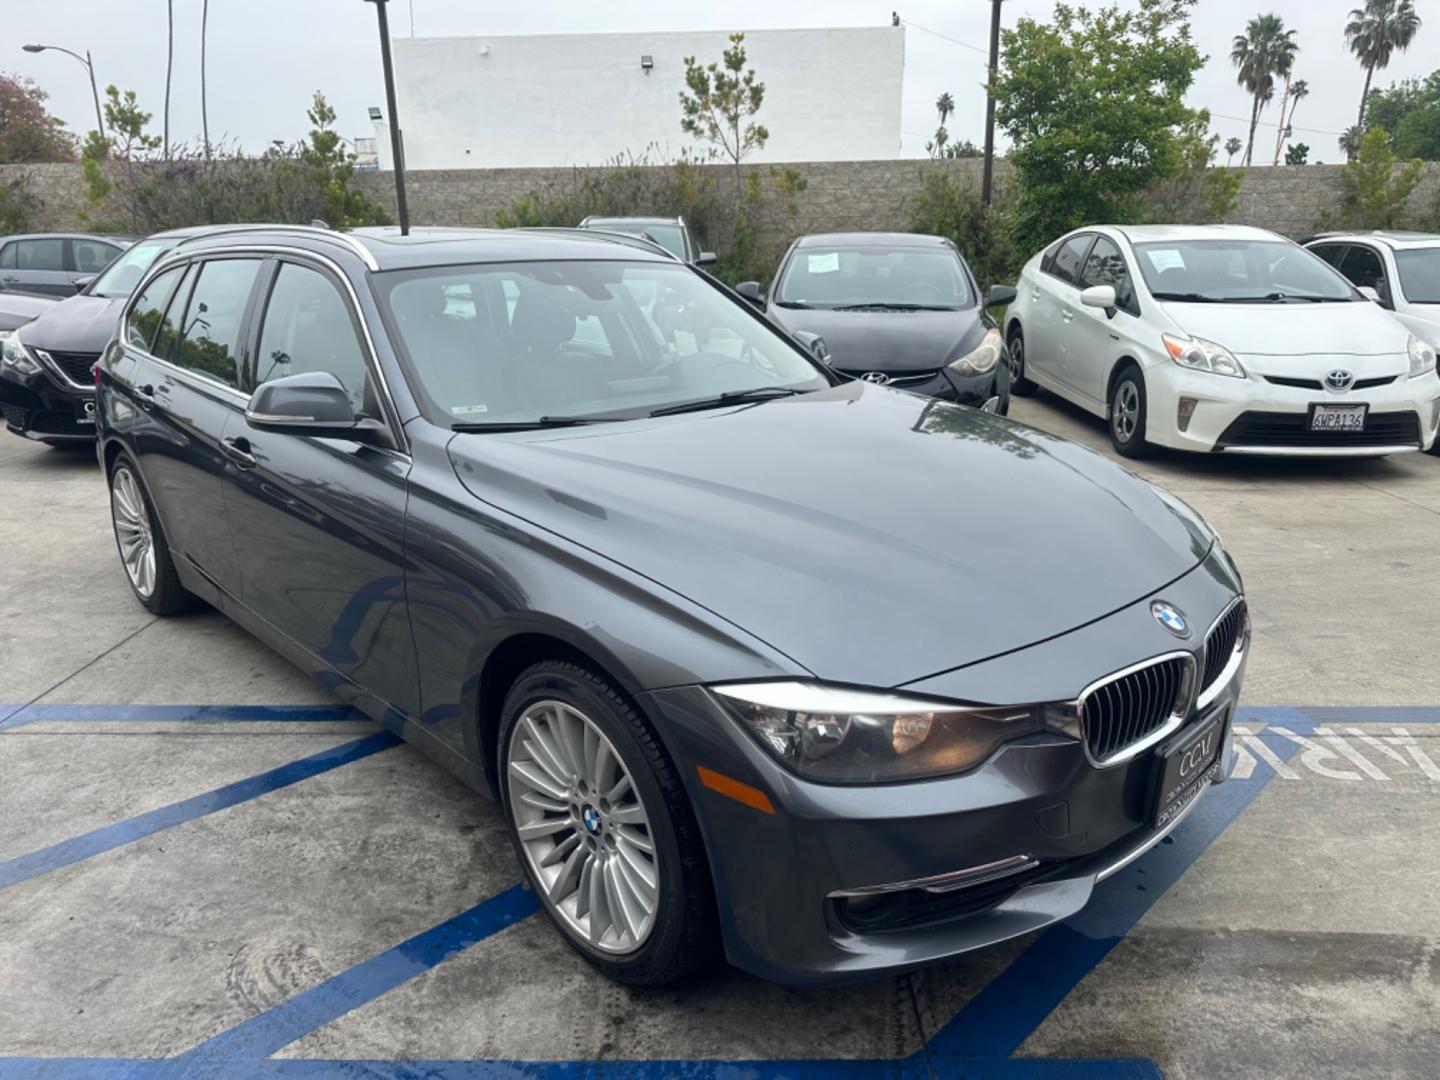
[[1337, 417], [1187, 764], [85, 412]]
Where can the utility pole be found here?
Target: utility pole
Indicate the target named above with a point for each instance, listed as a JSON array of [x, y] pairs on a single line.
[[988, 178], [397, 146], [89, 66]]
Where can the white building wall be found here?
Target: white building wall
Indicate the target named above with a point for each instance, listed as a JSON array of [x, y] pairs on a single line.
[[581, 99]]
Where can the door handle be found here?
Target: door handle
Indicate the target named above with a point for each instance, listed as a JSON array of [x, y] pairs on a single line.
[[1067, 314], [1035, 295], [146, 395], [238, 451], [12, 279]]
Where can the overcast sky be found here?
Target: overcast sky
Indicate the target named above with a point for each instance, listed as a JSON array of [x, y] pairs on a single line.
[[266, 57]]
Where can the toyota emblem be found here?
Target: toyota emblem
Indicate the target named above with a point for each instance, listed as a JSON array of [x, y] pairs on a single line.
[[1339, 380], [879, 378]]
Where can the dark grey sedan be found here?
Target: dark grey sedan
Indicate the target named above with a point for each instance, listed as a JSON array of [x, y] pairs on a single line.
[[56, 264], [592, 533], [897, 309]]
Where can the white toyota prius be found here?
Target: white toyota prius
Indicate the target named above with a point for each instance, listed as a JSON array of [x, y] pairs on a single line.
[[1219, 338]]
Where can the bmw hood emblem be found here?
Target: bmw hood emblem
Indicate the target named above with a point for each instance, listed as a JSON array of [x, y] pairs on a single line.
[[1170, 617]]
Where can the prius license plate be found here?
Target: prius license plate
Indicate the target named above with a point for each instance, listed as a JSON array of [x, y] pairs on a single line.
[[1337, 417]]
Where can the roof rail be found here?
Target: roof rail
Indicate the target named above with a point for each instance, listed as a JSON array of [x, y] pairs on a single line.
[[644, 243], [308, 230]]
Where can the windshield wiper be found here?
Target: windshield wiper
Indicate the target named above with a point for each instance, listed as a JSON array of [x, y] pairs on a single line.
[[791, 303], [1187, 297], [729, 397], [539, 424], [880, 305]]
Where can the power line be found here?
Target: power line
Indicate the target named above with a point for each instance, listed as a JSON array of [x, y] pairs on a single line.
[[1271, 123], [946, 37]]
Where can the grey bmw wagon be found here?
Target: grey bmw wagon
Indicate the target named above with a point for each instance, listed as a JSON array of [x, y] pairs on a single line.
[[723, 635]]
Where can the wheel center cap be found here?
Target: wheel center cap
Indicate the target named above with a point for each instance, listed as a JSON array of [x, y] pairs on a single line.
[[591, 818]]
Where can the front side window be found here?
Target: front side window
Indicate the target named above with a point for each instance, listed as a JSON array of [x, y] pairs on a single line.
[[1106, 266], [1419, 271], [92, 256], [148, 311], [307, 328], [601, 340], [210, 331], [122, 275], [873, 276], [1363, 267], [1239, 272]]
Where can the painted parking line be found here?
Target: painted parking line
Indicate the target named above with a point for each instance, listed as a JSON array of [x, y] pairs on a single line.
[[19, 715], [108, 837]]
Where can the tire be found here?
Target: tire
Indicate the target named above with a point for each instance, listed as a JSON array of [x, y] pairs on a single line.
[[1019, 385], [584, 855], [1127, 413], [144, 553]]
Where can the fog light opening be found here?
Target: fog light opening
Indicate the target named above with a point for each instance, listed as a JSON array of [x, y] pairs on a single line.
[[1185, 412]]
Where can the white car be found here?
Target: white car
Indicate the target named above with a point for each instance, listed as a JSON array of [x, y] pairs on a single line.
[[1400, 271], [1219, 337]]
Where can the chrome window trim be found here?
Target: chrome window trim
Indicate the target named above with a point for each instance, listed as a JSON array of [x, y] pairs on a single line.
[[175, 256], [1075, 728], [1242, 644]]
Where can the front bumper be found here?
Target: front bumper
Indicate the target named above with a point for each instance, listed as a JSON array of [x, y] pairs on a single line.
[[36, 407], [1254, 416], [809, 895]]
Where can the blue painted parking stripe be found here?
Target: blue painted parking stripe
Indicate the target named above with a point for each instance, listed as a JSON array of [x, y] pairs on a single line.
[[278, 1027], [20, 715], [108, 837]]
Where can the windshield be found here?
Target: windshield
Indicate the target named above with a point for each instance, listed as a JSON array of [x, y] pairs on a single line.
[[871, 276], [670, 237], [499, 343], [1239, 271], [1420, 274], [122, 275]]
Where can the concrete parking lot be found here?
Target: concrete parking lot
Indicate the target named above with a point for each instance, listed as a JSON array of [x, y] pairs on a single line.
[[210, 867]]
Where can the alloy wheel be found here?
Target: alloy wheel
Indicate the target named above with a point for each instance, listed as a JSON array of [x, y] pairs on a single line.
[[1017, 359], [1125, 412], [583, 827], [132, 530]]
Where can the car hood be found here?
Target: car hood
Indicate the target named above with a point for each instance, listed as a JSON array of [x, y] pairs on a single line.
[[872, 536], [1303, 329], [889, 341], [80, 324], [19, 308]]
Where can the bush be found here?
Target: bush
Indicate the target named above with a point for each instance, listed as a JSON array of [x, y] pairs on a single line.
[[952, 208], [18, 204], [1375, 187]]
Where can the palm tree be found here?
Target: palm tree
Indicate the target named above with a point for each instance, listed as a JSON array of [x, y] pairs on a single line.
[[204, 110], [1285, 52], [1232, 147], [1350, 142], [945, 106], [1374, 32], [169, 66], [1300, 90], [1263, 51]]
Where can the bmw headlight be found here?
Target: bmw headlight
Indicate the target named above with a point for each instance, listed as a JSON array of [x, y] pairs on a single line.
[[982, 358], [1201, 355], [15, 356], [1422, 357], [840, 736]]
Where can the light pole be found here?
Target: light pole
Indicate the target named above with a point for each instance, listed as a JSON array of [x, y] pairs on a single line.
[[987, 177], [90, 67], [397, 147]]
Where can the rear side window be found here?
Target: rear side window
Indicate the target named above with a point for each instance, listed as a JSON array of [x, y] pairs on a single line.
[[1070, 256], [148, 310], [1106, 266], [40, 254], [210, 333], [308, 328]]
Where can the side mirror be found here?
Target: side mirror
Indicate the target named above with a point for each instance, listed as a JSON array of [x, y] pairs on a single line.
[[1371, 294], [1000, 296], [82, 282], [750, 290], [310, 403], [705, 258], [1099, 296], [815, 345]]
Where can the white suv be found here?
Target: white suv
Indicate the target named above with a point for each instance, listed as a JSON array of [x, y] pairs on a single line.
[[1400, 271], [1219, 337]]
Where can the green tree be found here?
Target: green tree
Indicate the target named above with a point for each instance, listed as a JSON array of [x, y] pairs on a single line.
[[1297, 154], [1374, 32], [1349, 142], [28, 132], [1093, 103], [1232, 147], [1375, 187], [333, 166], [1265, 50], [719, 105], [1411, 110]]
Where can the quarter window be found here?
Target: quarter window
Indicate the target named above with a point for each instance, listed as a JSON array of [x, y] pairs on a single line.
[[1106, 266], [210, 333], [1068, 259], [308, 328], [148, 310]]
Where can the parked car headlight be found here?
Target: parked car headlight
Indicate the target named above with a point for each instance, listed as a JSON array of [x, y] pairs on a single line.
[[1201, 355], [841, 736], [1422, 357], [982, 358], [16, 357]]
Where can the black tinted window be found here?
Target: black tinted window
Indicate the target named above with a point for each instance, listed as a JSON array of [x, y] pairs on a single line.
[[1363, 267], [1068, 258], [308, 328], [1106, 266], [1331, 253], [149, 309], [168, 333], [210, 334]]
